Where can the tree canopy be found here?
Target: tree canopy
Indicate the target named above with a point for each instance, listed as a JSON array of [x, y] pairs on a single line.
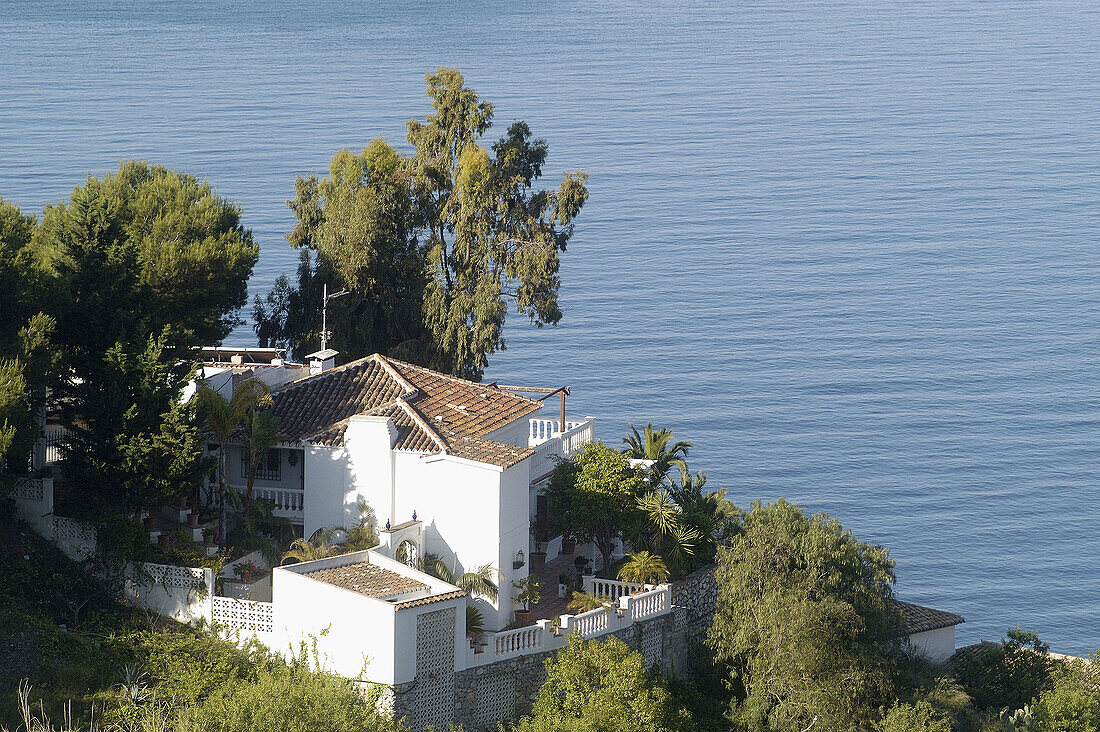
[[601, 686], [432, 246], [803, 621], [139, 266]]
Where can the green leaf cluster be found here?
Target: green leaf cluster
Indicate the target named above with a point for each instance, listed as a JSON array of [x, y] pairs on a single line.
[[602, 686], [134, 269], [804, 622], [431, 246]]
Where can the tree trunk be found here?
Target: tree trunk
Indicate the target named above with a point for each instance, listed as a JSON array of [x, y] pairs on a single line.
[[223, 517]]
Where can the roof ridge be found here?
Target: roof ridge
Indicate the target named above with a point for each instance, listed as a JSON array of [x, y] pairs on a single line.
[[322, 374], [460, 380], [423, 424], [383, 361]]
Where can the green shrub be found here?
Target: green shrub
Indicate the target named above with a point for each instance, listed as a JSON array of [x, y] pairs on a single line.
[[919, 717], [283, 698], [188, 666], [593, 686]]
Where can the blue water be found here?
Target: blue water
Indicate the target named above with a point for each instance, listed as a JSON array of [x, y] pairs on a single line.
[[848, 249]]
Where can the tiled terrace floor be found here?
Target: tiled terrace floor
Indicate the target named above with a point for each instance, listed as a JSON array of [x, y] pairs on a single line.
[[551, 606]]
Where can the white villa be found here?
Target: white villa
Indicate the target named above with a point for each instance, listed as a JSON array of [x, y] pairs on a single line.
[[449, 466]]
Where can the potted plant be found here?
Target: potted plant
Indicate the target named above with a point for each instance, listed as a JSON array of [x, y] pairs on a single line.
[[248, 572], [538, 559], [527, 594], [566, 583], [568, 544], [193, 519], [579, 563]]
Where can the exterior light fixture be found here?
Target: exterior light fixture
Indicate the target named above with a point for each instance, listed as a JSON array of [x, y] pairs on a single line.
[[519, 560]]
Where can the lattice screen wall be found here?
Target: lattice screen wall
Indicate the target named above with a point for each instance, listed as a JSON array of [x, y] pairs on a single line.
[[434, 701], [496, 700], [653, 644]]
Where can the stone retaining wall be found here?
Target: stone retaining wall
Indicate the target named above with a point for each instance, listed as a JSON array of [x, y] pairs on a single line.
[[506, 689]]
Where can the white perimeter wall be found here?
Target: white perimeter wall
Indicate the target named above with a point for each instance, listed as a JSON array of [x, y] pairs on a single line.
[[937, 645]]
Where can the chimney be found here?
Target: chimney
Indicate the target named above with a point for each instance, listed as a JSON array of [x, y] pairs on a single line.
[[321, 361]]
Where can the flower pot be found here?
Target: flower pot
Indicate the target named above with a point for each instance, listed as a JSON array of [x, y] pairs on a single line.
[[181, 502], [523, 616], [150, 523], [193, 519], [163, 539], [538, 560], [568, 546], [579, 562]]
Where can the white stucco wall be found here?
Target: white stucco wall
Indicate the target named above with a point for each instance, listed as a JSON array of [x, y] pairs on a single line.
[[355, 634], [328, 499], [367, 443], [937, 645]]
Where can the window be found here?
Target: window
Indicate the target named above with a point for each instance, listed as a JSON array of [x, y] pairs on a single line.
[[269, 467]]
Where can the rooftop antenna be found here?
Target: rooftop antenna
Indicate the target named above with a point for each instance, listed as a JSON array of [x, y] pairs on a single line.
[[325, 335]]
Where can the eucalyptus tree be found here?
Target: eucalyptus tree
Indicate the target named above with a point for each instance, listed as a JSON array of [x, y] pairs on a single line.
[[489, 235], [432, 246]]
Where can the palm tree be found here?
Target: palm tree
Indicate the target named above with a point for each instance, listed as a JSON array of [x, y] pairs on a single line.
[[481, 581], [664, 530], [641, 567], [657, 445], [222, 416], [583, 602], [318, 546]]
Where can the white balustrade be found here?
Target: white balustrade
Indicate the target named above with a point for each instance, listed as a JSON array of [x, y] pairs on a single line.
[[288, 503], [591, 623], [609, 588], [576, 434], [517, 642], [647, 604]]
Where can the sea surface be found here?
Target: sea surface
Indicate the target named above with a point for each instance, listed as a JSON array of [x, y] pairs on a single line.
[[848, 249]]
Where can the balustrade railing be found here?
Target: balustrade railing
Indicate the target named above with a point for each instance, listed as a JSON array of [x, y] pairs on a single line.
[[288, 503], [647, 604], [543, 429], [609, 588], [543, 636], [515, 642], [591, 623]]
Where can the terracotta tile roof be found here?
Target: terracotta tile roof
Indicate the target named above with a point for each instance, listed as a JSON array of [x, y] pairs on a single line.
[[433, 412], [429, 600], [368, 579], [464, 406], [314, 405], [920, 619]]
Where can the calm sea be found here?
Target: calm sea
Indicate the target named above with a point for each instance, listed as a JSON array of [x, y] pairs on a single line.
[[848, 249]]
